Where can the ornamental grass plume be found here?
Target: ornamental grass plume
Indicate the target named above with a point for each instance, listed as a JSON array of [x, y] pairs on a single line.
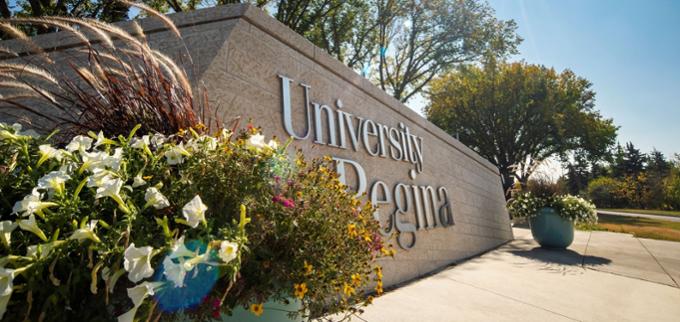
[[113, 82]]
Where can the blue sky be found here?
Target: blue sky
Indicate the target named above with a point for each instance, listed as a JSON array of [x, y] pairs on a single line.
[[629, 50]]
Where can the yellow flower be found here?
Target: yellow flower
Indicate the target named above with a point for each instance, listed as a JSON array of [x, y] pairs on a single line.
[[369, 300], [257, 309], [348, 289], [367, 238], [300, 290], [352, 230], [308, 268], [388, 252], [379, 288], [378, 272], [298, 194], [356, 279]]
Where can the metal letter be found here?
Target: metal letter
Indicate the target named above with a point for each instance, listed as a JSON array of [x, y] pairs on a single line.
[[287, 109], [359, 170], [375, 201], [402, 209]]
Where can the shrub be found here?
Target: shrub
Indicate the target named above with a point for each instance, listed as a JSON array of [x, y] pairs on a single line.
[[605, 192], [186, 223]]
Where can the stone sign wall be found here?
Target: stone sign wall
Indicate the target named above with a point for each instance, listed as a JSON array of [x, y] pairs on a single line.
[[439, 201]]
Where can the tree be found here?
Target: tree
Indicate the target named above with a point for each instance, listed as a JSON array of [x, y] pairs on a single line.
[[605, 192], [421, 39], [517, 114], [578, 175], [618, 166], [106, 10], [633, 160], [657, 165]]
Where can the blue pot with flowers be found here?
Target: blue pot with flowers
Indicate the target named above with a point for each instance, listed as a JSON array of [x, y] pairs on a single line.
[[552, 218]]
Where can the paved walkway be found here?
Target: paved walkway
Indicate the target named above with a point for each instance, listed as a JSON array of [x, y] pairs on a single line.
[[602, 277], [627, 214]]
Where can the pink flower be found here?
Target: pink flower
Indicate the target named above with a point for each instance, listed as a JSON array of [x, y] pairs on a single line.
[[288, 203]]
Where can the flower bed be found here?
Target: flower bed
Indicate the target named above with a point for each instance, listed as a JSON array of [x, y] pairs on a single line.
[[166, 226]]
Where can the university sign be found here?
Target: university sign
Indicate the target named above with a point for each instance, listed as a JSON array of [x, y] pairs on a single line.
[[437, 199], [330, 125]]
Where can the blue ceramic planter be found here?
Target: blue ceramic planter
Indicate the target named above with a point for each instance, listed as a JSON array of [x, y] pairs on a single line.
[[550, 230], [273, 312]]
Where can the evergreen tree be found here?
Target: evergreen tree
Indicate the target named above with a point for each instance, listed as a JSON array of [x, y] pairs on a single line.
[[657, 165], [633, 160], [618, 163]]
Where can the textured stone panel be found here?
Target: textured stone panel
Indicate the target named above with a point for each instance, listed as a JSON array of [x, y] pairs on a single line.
[[237, 54]]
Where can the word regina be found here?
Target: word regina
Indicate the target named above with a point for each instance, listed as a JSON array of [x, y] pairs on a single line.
[[429, 207]]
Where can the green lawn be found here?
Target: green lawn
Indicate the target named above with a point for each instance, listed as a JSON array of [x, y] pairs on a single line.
[[639, 227], [647, 212]]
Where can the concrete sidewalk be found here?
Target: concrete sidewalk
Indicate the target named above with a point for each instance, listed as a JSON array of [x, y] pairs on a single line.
[[602, 277]]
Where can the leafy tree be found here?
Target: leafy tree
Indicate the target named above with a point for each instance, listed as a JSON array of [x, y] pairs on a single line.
[[105, 10], [421, 39], [605, 192], [348, 31], [516, 114], [672, 185]]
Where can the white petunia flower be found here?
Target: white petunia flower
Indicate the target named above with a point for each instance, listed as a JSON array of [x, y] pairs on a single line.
[[99, 177], [273, 145], [8, 135], [158, 139], [31, 225], [31, 204], [6, 285], [140, 143], [54, 182], [174, 272], [203, 142], [179, 249], [103, 140], [48, 152], [155, 198], [138, 181], [15, 132], [86, 233], [6, 228], [209, 142], [228, 251], [138, 262], [111, 188], [194, 211], [94, 160], [113, 161], [256, 142], [176, 154], [79, 143], [137, 294], [45, 249]]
